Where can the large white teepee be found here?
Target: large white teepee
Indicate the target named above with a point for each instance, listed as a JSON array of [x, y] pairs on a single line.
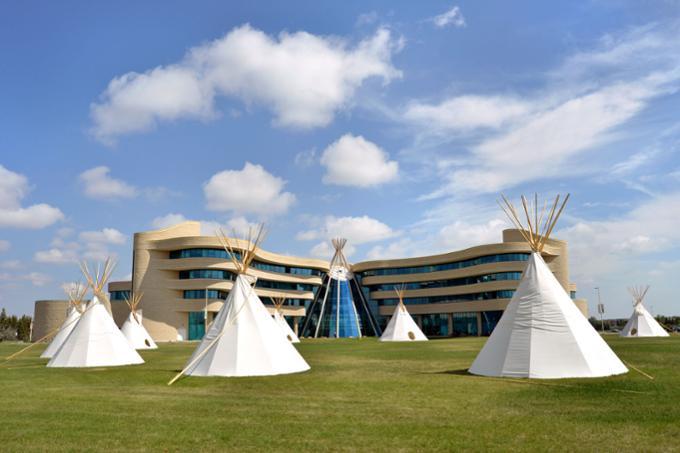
[[541, 333], [244, 340], [401, 326], [641, 322], [281, 320], [95, 341], [76, 293], [133, 329]]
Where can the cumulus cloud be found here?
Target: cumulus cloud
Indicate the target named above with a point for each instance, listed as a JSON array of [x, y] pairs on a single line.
[[14, 188], [103, 236], [56, 256], [461, 234], [168, 220], [35, 278], [99, 185], [94, 245], [250, 190], [452, 17], [355, 161], [303, 79], [603, 247], [357, 230]]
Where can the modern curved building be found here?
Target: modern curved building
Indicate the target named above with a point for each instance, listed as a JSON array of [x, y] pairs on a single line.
[[184, 277]]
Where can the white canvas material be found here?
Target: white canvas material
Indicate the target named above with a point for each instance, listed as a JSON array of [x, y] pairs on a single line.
[[136, 334], [95, 341], [642, 324], [543, 335], [285, 327], [244, 340], [402, 327], [67, 326]]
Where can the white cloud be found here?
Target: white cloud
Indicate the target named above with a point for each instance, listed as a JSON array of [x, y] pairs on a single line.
[[451, 17], [4, 245], [36, 278], [324, 250], [56, 256], [460, 235], [13, 188], [465, 113], [305, 159], [168, 220], [357, 230], [355, 161], [104, 236], [94, 245], [250, 190], [99, 185], [11, 264], [602, 247], [302, 78]]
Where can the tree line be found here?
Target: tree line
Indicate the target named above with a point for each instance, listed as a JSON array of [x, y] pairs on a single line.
[[13, 328]]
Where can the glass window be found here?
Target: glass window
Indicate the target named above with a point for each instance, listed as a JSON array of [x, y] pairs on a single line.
[[500, 258], [572, 294], [119, 295], [498, 276], [435, 325], [489, 320], [214, 274], [465, 324], [200, 294], [486, 295], [196, 325]]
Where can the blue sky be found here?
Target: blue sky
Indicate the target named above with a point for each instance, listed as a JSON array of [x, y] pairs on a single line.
[[395, 124]]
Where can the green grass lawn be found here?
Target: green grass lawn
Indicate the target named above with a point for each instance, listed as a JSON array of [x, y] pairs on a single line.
[[359, 395]]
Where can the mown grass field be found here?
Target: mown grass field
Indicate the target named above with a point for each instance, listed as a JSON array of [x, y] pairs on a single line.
[[359, 395]]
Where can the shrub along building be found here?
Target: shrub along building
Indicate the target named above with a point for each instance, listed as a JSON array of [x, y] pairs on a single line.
[[185, 276]]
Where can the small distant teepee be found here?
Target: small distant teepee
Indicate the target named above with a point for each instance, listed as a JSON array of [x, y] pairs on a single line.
[[75, 292], [401, 326], [541, 333], [95, 341], [641, 322], [281, 320], [133, 329], [244, 340]]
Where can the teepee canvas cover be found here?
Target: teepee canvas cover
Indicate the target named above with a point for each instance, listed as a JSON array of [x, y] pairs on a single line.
[[641, 322], [402, 327], [133, 329], [244, 340], [339, 308], [75, 294], [95, 341], [281, 321], [541, 333]]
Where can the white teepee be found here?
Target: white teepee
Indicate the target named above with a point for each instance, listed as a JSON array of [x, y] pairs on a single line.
[[76, 293], [641, 322], [244, 340], [281, 320], [401, 326], [133, 329], [95, 341], [541, 333]]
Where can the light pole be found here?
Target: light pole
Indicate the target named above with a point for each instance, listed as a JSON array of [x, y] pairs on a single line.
[[600, 309]]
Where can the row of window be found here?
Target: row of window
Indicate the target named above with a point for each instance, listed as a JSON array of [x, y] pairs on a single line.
[[498, 276], [223, 254], [217, 274], [486, 295], [487, 259], [119, 295]]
